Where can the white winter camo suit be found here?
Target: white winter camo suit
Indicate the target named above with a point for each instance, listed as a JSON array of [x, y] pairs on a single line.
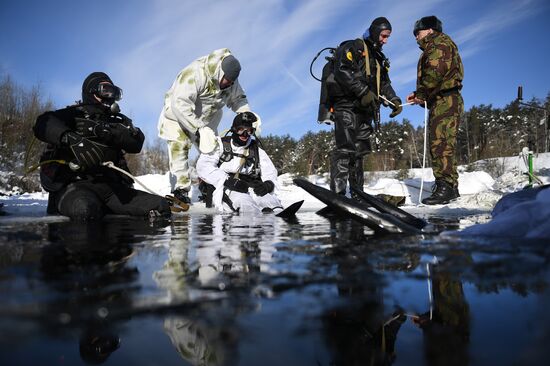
[[208, 170], [195, 100]]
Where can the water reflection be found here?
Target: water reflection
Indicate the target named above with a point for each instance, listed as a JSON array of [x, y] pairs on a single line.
[[446, 327], [82, 287], [357, 330], [229, 290], [86, 268], [228, 252]]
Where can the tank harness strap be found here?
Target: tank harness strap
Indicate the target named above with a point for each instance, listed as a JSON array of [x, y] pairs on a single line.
[[250, 153], [367, 67]]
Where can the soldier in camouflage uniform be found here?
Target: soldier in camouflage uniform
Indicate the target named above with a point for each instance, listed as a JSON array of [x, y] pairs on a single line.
[[440, 74], [193, 108]]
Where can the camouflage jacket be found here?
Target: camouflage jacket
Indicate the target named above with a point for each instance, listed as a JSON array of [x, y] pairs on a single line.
[[195, 99], [439, 67]]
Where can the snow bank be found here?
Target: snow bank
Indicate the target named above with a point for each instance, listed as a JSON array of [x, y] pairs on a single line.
[[527, 218], [479, 191]]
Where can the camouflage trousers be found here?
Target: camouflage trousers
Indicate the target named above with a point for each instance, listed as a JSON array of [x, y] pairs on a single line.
[[445, 114], [178, 158]]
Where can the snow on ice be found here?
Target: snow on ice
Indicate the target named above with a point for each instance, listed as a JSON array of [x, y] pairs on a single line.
[[479, 194]]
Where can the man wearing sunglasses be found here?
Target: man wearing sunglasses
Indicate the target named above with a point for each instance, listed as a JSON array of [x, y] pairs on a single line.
[[242, 174], [193, 108], [80, 138]]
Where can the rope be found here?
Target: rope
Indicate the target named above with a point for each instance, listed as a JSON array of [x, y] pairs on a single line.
[[175, 204], [27, 153], [392, 103], [424, 155], [34, 167], [110, 164], [430, 292]]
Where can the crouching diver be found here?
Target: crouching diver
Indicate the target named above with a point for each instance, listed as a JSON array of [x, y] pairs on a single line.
[[80, 138], [242, 175]]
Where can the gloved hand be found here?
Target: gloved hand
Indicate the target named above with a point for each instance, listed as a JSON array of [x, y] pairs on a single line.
[[90, 128], [264, 188], [257, 125], [396, 107], [87, 153], [368, 99], [206, 139], [237, 185]]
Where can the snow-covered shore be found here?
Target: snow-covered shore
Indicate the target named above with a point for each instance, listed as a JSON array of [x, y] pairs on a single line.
[[479, 191]]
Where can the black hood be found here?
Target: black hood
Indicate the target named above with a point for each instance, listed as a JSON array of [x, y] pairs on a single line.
[[90, 83]]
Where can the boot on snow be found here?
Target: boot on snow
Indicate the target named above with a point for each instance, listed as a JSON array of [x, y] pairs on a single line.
[[443, 193], [182, 195]]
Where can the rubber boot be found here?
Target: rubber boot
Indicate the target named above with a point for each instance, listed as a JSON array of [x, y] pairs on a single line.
[[339, 172], [356, 176]]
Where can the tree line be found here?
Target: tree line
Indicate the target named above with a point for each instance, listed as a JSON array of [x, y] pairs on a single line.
[[484, 132]]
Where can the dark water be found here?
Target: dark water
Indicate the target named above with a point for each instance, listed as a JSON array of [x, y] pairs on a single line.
[[230, 290]]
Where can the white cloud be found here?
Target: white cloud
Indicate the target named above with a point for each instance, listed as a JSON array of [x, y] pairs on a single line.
[[275, 41]]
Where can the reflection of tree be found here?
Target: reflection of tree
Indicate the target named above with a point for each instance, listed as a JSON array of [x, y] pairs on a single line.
[[359, 331]]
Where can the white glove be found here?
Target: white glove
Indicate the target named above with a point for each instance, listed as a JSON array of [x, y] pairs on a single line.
[[256, 125], [207, 140]]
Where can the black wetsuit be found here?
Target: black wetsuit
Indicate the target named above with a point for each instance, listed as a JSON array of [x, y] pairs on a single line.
[[88, 194], [353, 122]]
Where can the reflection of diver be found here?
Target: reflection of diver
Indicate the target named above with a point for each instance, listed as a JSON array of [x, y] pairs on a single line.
[[446, 334], [235, 247], [96, 345], [209, 254], [200, 343], [86, 265], [359, 331]]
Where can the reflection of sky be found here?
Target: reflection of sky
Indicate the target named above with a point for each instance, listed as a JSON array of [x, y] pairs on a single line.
[[504, 325], [144, 46]]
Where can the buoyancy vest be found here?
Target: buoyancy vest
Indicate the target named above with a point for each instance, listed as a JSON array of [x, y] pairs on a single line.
[[252, 159]]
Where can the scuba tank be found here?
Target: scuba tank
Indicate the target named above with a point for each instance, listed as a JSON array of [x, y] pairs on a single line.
[[325, 113]]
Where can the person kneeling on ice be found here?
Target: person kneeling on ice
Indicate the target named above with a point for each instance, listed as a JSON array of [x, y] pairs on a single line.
[[243, 176], [80, 139]]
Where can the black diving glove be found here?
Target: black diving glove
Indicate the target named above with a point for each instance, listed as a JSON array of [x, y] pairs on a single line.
[[87, 153], [237, 185], [396, 107], [264, 188], [90, 128], [368, 99]]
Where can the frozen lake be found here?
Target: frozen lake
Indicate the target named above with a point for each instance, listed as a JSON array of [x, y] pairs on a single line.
[[240, 290]]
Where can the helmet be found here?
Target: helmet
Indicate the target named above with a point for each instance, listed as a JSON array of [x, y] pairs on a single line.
[[242, 128], [245, 119], [429, 22], [376, 27]]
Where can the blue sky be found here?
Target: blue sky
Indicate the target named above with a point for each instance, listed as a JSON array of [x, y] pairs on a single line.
[[143, 45]]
